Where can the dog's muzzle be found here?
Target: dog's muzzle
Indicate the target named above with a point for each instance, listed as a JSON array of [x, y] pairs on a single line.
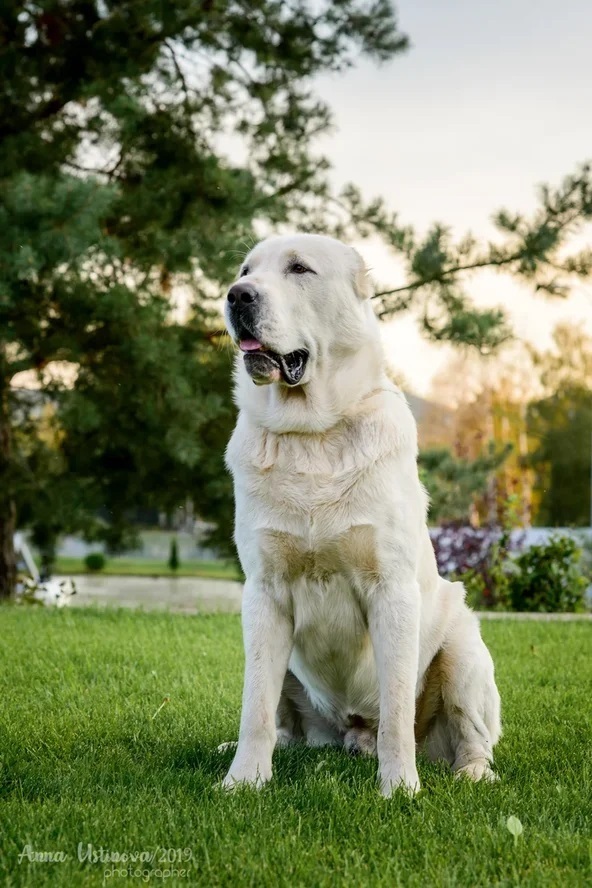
[[263, 365]]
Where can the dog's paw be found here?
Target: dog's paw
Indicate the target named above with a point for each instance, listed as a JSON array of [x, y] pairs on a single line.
[[246, 776], [285, 737], [399, 777], [360, 741], [317, 736], [233, 784], [476, 771]]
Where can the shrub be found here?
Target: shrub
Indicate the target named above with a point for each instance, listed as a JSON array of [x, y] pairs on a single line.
[[584, 539], [477, 556], [548, 578], [174, 555], [95, 562]]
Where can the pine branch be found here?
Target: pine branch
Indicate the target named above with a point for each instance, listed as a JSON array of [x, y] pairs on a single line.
[[449, 272], [533, 250]]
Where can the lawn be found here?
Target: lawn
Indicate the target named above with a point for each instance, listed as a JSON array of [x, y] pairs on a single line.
[[112, 722], [123, 567]]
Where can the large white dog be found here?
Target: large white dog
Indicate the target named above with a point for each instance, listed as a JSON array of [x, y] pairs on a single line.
[[350, 635]]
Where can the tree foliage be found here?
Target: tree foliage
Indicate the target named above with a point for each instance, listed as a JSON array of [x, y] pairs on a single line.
[[535, 250], [143, 144], [115, 188], [456, 483], [560, 429]]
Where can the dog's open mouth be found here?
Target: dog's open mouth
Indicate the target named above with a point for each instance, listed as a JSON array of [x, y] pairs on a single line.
[[265, 366]]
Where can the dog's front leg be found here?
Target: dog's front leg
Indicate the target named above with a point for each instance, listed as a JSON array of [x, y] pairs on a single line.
[[393, 619], [267, 636]]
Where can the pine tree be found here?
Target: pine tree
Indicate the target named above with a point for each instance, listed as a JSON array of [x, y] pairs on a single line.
[[114, 190], [560, 430], [455, 483], [535, 250]]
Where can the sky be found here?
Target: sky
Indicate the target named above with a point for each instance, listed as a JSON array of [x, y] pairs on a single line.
[[490, 100]]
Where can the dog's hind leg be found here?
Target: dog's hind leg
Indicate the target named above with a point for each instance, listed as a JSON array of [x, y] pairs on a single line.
[[297, 719], [288, 721], [458, 713]]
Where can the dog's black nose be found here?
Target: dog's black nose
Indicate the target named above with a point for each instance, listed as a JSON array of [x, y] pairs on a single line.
[[242, 294]]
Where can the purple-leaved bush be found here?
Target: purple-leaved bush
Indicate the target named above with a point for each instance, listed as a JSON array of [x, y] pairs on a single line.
[[478, 556]]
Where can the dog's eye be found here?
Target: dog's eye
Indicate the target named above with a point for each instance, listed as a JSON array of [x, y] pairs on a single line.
[[297, 268], [244, 271]]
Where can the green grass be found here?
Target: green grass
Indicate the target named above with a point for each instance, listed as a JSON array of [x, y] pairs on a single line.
[[126, 567], [89, 755]]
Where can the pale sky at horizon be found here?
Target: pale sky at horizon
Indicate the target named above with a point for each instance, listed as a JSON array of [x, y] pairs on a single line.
[[491, 100]]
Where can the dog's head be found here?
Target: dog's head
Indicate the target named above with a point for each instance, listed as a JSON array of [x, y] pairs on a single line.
[[297, 301]]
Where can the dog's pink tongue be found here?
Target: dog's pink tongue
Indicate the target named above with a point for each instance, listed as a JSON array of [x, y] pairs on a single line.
[[249, 345]]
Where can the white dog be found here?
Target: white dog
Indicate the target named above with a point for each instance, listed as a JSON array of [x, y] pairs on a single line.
[[350, 635]]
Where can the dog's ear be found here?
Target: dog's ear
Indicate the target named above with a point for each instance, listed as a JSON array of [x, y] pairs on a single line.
[[362, 282]]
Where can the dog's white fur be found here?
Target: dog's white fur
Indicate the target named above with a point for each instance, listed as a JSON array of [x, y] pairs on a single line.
[[350, 635]]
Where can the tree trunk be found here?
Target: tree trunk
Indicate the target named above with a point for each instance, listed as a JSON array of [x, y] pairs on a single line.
[[7, 553], [7, 504]]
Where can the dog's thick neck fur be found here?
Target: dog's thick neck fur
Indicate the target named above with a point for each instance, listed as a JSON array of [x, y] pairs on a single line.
[[335, 390]]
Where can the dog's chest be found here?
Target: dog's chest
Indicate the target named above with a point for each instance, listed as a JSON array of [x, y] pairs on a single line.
[[317, 556], [313, 512]]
